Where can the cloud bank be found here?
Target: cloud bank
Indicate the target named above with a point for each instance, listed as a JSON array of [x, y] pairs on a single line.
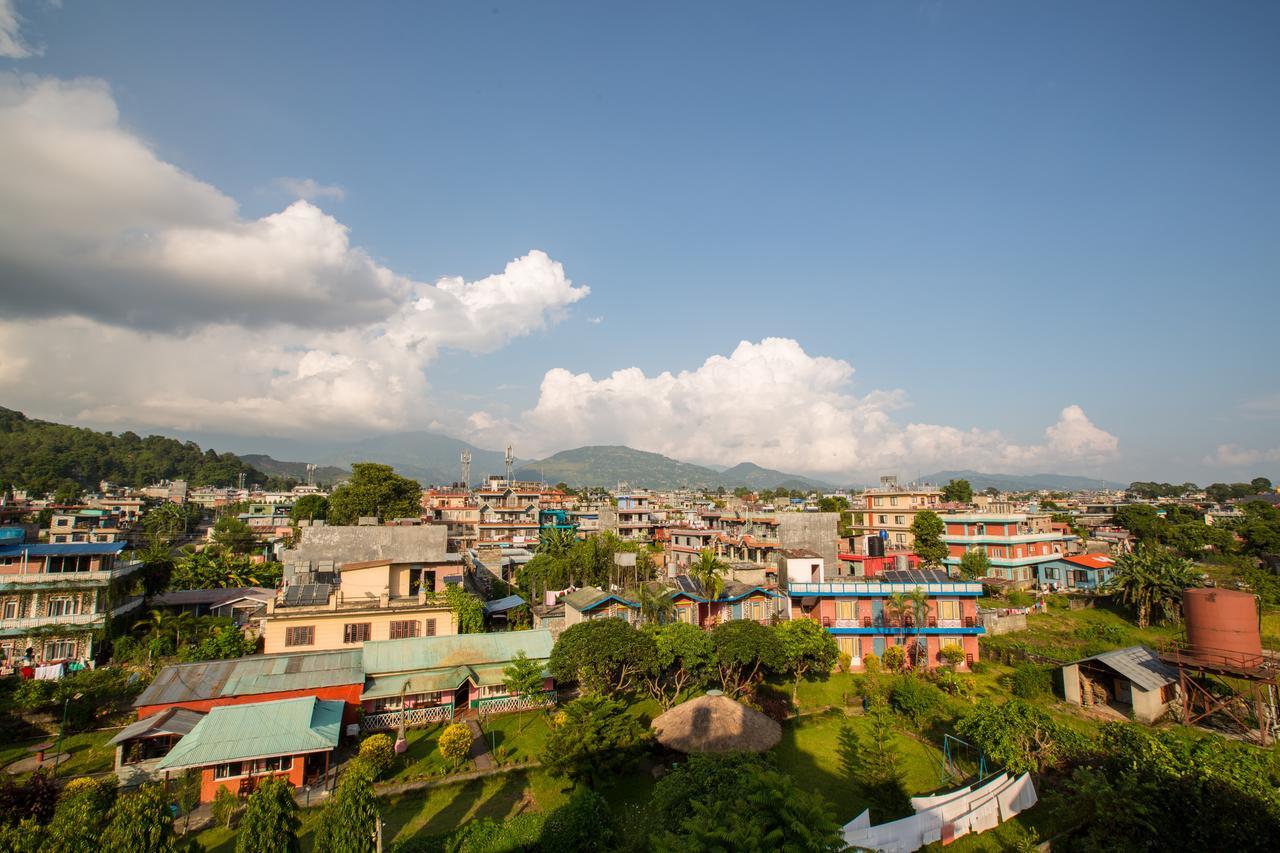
[[774, 404], [1235, 456], [135, 293], [12, 45]]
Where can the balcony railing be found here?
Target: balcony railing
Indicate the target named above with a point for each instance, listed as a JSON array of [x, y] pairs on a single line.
[[876, 588], [413, 718]]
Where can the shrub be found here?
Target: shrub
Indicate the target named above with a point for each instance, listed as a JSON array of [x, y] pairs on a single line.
[[455, 743], [583, 823], [224, 806], [952, 682], [871, 663], [894, 658], [1029, 681], [915, 699], [952, 656], [379, 751], [844, 660]]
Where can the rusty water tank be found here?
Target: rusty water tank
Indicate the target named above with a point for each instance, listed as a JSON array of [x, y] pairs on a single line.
[[1222, 624]]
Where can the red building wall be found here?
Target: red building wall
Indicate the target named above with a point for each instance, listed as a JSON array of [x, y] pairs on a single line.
[[209, 786], [347, 693]]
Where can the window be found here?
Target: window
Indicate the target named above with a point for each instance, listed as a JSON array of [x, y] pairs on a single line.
[[356, 632], [304, 635], [882, 519], [902, 539], [948, 610], [60, 650], [848, 646], [893, 501], [899, 519], [279, 764], [405, 629], [1050, 574], [11, 609], [845, 608], [62, 606], [950, 643], [431, 627], [226, 771]]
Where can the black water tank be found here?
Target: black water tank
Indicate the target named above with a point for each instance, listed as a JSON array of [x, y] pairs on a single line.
[[875, 546]]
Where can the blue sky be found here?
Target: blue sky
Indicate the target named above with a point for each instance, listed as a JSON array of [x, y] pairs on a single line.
[[997, 209]]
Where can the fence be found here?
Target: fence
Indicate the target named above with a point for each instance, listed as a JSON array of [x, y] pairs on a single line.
[[412, 717], [506, 704]]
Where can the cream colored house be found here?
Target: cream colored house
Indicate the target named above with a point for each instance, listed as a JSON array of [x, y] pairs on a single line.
[[375, 600]]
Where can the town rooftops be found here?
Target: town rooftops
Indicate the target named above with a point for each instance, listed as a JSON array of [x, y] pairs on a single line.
[[1138, 664], [422, 653], [800, 554], [211, 597], [502, 605], [1091, 561], [66, 549], [259, 730], [590, 597], [170, 721], [193, 682]]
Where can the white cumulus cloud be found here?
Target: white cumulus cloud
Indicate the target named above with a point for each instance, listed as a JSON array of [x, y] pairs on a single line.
[[1235, 456], [774, 404], [309, 189], [12, 45], [136, 294]]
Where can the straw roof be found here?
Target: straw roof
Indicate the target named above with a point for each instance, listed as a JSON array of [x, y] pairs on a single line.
[[716, 723]]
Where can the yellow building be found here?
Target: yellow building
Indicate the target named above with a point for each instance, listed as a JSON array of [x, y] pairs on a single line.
[[892, 508], [375, 600]]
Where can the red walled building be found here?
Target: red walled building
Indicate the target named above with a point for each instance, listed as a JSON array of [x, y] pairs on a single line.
[[210, 684]]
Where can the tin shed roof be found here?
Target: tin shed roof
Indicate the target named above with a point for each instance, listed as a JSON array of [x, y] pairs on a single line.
[[190, 682], [260, 730], [473, 650], [1140, 665]]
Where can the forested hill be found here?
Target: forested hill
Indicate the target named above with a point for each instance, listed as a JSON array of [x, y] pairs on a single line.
[[41, 457]]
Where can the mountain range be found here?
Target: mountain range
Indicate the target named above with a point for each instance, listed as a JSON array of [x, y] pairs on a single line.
[[1022, 482], [609, 465]]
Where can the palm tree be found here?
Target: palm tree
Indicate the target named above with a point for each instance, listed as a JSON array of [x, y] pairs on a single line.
[[555, 540], [919, 599], [1151, 580], [897, 606], [655, 604], [709, 573], [159, 625]]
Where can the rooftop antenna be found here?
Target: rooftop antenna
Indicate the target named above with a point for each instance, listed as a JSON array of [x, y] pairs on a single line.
[[466, 468], [510, 458]]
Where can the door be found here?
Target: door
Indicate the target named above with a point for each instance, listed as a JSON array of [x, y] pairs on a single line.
[[877, 612], [877, 646]]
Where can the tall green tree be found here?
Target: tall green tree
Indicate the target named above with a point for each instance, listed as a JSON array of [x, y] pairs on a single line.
[[81, 816], [270, 823], [1151, 581], [374, 491], [594, 741], [926, 530], [310, 508], [232, 534], [975, 564], [655, 604], [958, 491], [349, 820], [140, 822], [708, 572], [806, 648]]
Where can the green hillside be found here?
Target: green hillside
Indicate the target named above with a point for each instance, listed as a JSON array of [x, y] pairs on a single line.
[[608, 465], [40, 456], [326, 475]]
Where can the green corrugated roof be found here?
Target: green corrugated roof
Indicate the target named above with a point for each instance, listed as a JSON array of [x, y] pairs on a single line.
[[589, 597], [259, 730], [383, 657], [417, 682]]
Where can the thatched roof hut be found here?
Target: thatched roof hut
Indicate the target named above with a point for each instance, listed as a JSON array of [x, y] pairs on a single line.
[[716, 723]]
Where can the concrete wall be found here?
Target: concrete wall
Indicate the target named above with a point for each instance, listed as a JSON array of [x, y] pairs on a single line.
[[425, 543], [996, 624], [817, 531]]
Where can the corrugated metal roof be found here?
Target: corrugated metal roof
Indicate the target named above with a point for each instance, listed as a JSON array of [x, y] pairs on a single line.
[[503, 604], [190, 682], [171, 721], [419, 654], [1140, 665], [260, 730], [211, 597], [417, 682], [65, 549]]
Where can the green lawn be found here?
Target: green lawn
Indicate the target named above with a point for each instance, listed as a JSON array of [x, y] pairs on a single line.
[[1069, 635], [422, 759], [516, 738], [89, 752]]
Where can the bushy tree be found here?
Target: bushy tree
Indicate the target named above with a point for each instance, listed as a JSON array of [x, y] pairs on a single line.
[[806, 648], [271, 822], [349, 820], [35, 798], [374, 490], [310, 508], [958, 491], [745, 652], [1151, 581], [975, 564], [232, 534], [584, 822], [894, 658], [593, 741], [926, 531], [685, 657], [140, 822], [1019, 737], [379, 751], [81, 816], [603, 656]]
